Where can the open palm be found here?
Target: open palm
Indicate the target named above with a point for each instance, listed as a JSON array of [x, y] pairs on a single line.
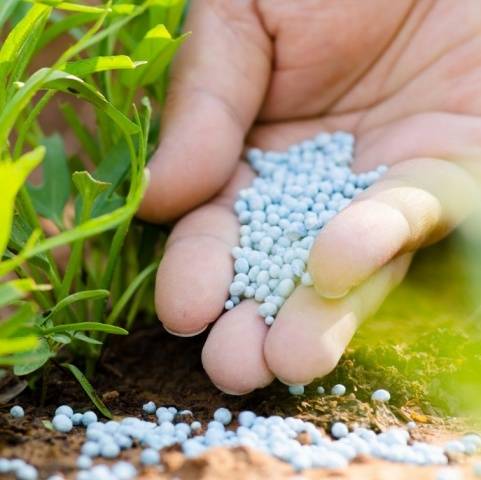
[[403, 76]]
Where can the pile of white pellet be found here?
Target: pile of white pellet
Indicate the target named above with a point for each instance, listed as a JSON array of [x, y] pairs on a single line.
[[163, 427], [293, 197]]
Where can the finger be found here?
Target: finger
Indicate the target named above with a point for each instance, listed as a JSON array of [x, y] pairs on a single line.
[[217, 87], [310, 333], [233, 353], [416, 203], [195, 273]]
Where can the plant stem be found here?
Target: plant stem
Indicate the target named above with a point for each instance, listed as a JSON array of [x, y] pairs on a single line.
[[73, 265]]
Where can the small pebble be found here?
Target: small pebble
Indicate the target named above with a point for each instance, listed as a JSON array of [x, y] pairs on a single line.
[[247, 418], [149, 408], [88, 418], [339, 390], [339, 430], [296, 389], [84, 462], [149, 456], [223, 415], [62, 423], [77, 419], [109, 450], [381, 395], [124, 471], [64, 410], [164, 415], [91, 449], [448, 474], [17, 411], [5, 465], [195, 426], [27, 472]]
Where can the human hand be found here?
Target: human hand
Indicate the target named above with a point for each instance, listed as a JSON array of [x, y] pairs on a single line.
[[401, 76]]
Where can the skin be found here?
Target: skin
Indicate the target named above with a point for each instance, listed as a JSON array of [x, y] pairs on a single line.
[[402, 76]]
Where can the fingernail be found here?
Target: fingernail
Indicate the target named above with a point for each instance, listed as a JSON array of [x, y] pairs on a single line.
[[331, 295], [185, 335]]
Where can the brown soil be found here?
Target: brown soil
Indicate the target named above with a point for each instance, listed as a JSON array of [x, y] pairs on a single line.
[[151, 365]]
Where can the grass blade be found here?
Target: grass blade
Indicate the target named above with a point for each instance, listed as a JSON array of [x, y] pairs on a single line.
[[47, 78], [12, 178], [85, 327], [77, 297], [88, 389], [68, 24], [131, 289], [82, 68], [18, 47]]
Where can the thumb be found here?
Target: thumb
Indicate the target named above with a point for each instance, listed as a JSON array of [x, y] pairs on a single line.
[[217, 87], [415, 204]]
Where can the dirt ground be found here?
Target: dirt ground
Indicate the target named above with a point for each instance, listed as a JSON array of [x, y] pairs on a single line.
[[152, 365]]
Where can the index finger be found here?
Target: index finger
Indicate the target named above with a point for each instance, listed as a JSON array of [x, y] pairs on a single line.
[[217, 86]]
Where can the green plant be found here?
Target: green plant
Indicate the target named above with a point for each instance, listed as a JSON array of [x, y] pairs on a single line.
[[48, 309]]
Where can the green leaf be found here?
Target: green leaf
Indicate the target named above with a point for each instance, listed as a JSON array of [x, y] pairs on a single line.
[[12, 177], [126, 8], [114, 169], [29, 362], [84, 338], [48, 425], [70, 7], [88, 187], [61, 338], [16, 289], [77, 297], [19, 236], [24, 316], [157, 48], [82, 68], [47, 78], [18, 47], [75, 7], [50, 198], [20, 359], [115, 166], [18, 344], [107, 203], [85, 327], [89, 390], [168, 12]]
